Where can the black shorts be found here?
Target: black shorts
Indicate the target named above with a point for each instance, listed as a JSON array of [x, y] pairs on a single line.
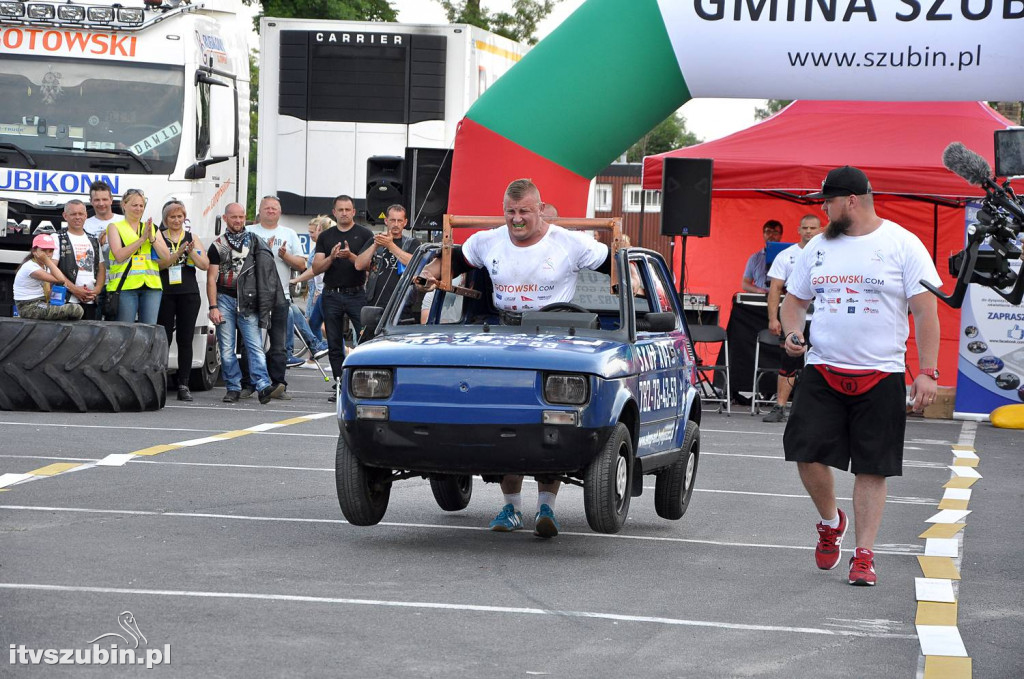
[[862, 434]]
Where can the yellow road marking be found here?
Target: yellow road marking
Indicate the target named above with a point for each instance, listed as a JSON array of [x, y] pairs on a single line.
[[959, 482], [55, 468], [156, 450], [965, 462], [970, 448], [953, 504], [935, 613], [294, 420], [942, 530], [231, 434], [942, 667]]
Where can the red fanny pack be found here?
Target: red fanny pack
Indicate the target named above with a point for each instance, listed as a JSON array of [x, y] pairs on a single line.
[[848, 381]]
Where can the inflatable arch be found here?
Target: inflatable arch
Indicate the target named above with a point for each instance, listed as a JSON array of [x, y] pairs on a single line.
[[616, 68]]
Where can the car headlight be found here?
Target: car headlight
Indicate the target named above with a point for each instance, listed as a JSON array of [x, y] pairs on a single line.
[[567, 389], [372, 383]]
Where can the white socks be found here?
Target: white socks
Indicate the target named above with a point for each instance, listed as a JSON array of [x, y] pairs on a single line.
[[546, 499], [833, 523], [514, 499]]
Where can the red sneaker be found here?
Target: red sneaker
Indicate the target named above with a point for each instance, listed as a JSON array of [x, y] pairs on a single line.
[[827, 553], [862, 567]]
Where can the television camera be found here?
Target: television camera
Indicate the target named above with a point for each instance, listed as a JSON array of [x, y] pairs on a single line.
[[999, 223]]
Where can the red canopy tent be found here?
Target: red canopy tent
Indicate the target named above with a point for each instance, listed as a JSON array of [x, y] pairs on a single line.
[[761, 172]]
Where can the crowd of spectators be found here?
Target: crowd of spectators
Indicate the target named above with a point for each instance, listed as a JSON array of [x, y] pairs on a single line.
[[121, 267]]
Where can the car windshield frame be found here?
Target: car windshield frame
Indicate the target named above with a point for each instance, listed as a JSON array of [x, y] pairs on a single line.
[[390, 323]]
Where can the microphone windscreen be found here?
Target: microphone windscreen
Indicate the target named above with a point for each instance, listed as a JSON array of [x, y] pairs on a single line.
[[966, 163]]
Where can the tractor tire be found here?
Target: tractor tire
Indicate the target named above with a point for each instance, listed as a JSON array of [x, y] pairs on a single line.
[[82, 366]]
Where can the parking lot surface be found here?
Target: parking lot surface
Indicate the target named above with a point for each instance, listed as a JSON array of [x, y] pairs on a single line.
[[224, 543]]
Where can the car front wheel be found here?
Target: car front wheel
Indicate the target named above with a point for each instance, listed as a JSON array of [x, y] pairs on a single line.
[[608, 482], [363, 492]]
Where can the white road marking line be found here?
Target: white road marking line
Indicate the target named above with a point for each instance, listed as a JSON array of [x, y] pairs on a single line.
[[177, 429], [7, 480], [115, 460], [431, 526], [780, 458], [431, 605], [271, 467]]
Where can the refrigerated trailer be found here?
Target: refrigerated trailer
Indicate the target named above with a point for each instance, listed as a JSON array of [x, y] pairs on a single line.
[[335, 93]]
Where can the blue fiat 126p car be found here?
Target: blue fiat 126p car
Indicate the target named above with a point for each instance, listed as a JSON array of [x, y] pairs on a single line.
[[598, 392]]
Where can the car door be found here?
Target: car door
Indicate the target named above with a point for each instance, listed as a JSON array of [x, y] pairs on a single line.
[[660, 356]]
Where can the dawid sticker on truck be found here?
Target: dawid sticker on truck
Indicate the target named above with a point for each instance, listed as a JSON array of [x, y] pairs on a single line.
[[42, 181], [156, 139]]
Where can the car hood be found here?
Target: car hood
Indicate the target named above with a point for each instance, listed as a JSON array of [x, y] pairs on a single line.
[[607, 358]]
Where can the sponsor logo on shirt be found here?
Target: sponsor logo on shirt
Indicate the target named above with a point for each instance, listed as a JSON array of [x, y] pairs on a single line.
[[494, 267], [872, 300], [851, 309], [835, 300], [847, 279], [526, 299], [870, 310], [819, 290], [851, 300]]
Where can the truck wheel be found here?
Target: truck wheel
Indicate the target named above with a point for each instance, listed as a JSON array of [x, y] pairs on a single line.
[[205, 377], [608, 482], [674, 486], [84, 366], [363, 492], [452, 492]]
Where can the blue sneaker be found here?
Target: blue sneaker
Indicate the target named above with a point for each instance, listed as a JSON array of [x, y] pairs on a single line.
[[507, 520], [294, 362], [320, 351], [545, 525]]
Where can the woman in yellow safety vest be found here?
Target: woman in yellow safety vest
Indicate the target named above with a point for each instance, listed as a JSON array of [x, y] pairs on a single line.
[[135, 253]]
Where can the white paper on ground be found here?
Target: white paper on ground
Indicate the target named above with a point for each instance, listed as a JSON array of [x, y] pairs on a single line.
[[949, 516], [941, 640], [11, 479], [934, 589], [115, 460], [942, 547], [966, 472], [957, 494]]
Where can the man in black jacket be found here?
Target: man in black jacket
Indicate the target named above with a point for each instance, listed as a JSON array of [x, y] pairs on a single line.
[[243, 288], [79, 259]]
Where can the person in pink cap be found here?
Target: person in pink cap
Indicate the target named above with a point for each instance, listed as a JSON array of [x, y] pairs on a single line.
[[33, 280]]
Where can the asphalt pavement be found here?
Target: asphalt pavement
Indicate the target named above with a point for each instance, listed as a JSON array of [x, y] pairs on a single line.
[[224, 544]]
